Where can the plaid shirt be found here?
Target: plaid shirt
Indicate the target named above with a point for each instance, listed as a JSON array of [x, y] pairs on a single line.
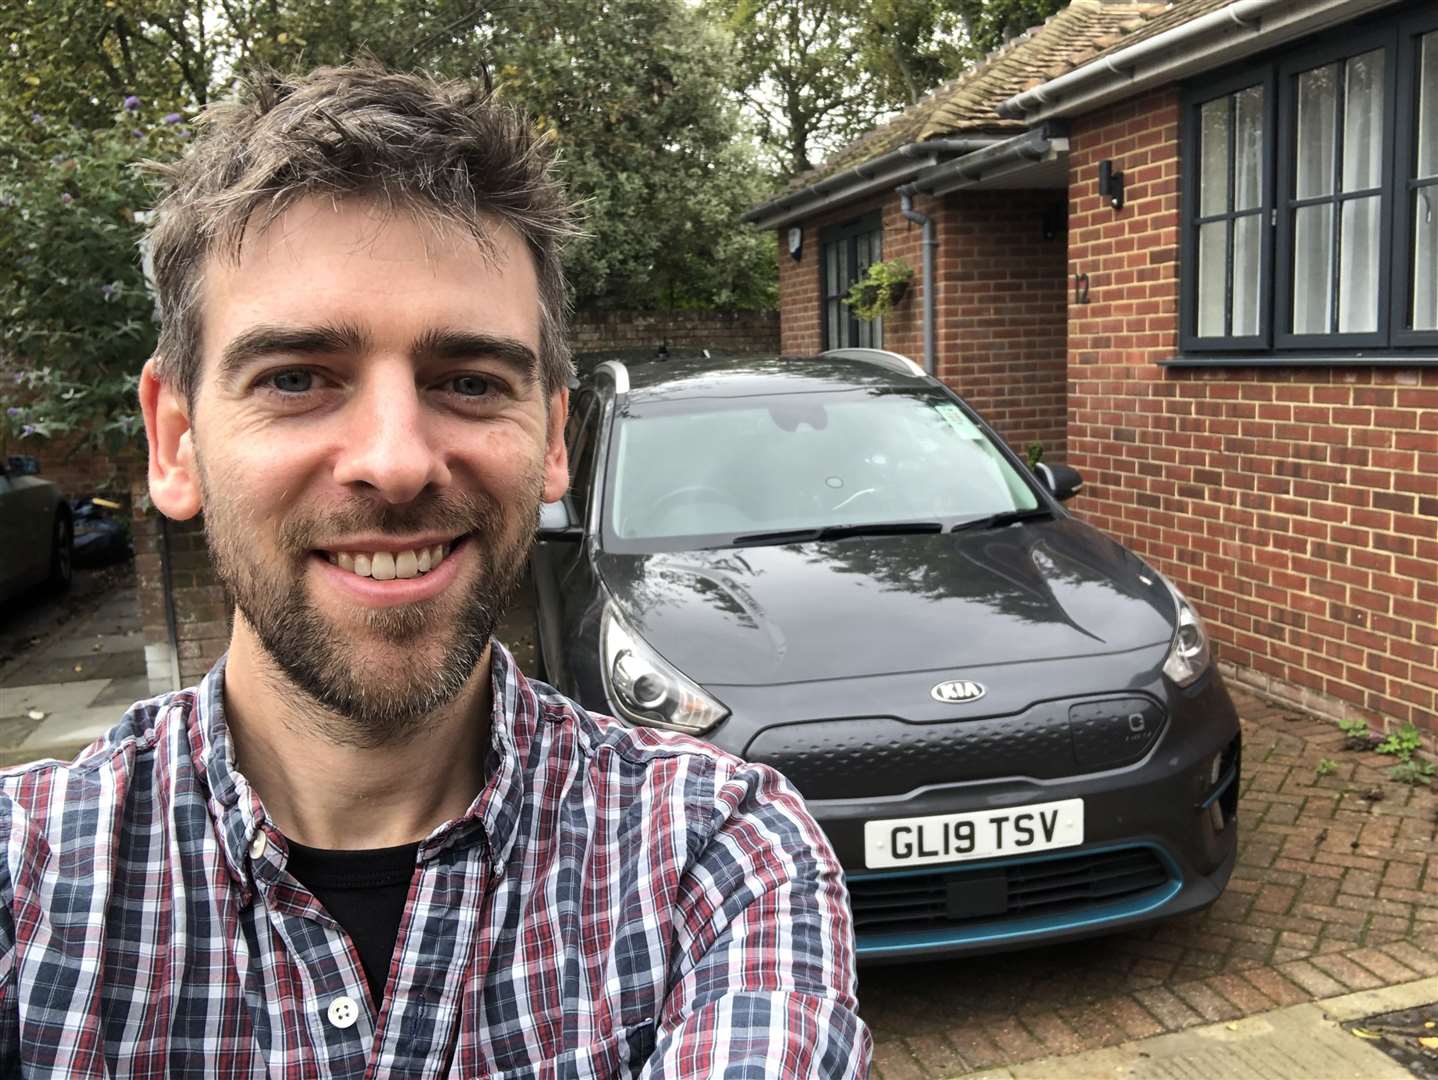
[[615, 902]]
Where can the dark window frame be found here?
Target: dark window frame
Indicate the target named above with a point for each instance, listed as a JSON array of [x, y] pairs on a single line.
[[847, 233], [1398, 35]]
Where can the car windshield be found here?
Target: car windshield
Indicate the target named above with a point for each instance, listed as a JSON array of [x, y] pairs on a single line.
[[714, 471]]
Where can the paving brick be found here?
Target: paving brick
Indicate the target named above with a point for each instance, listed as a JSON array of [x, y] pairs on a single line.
[[894, 1061], [1316, 982], [1411, 955], [1014, 1041], [1206, 1002], [935, 1054], [1352, 976], [1241, 992], [1168, 1008], [1274, 898], [1277, 988], [1055, 1033], [974, 1046], [1382, 965], [1136, 1021], [1093, 1023]]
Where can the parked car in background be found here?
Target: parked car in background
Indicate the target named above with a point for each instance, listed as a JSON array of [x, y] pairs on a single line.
[[1010, 727], [36, 531]]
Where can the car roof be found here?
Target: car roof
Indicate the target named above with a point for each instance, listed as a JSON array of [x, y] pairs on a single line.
[[695, 376]]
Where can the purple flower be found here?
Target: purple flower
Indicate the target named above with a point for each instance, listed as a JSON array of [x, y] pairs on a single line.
[[67, 198], [37, 119], [183, 132], [108, 291], [132, 104], [173, 118], [27, 431], [137, 133], [12, 412]]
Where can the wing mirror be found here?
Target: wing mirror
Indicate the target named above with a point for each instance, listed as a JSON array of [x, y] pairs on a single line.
[[556, 523], [1063, 482]]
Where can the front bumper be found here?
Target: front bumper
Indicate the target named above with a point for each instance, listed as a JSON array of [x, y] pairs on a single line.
[[1160, 840]]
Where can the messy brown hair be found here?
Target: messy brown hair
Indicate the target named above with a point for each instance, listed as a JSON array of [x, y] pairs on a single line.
[[447, 151]]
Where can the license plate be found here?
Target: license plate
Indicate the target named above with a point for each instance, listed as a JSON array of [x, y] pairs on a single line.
[[981, 834]]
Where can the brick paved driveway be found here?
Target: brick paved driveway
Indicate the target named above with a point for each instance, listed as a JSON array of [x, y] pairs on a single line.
[[1332, 892]]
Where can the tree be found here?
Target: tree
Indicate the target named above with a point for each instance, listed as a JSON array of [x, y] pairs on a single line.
[[990, 23], [636, 93]]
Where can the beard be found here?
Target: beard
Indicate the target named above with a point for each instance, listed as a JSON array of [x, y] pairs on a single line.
[[434, 646]]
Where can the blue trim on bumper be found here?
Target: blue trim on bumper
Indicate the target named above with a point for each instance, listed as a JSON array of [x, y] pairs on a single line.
[[1018, 929]]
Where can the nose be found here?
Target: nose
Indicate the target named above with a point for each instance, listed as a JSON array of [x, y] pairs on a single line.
[[388, 447]]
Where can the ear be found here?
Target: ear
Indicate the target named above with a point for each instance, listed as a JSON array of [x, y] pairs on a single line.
[[174, 474], [556, 461]]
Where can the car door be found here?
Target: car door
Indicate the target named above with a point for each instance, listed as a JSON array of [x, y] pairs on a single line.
[[561, 568]]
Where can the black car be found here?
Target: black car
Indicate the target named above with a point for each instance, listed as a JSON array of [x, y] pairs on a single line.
[[1009, 725]]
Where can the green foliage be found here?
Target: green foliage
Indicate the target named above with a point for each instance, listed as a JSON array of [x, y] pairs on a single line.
[[990, 23], [883, 285], [1326, 767], [1353, 728], [1413, 772], [73, 301], [1034, 453], [1402, 743], [650, 138]]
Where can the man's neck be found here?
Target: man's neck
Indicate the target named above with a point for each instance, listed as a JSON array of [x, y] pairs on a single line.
[[328, 795]]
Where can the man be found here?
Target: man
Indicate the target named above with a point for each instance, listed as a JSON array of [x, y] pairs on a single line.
[[365, 845]]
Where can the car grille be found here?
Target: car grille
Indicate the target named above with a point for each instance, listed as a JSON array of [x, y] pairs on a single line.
[[887, 903], [868, 756]]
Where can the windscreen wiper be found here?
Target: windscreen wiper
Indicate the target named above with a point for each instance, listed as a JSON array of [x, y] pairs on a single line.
[[837, 532], [1006, 517]]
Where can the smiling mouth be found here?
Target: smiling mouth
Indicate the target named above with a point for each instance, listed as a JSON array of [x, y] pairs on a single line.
[[392, 565]]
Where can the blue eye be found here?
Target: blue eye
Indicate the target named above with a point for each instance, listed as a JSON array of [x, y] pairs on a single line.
[[292, 382], [472, 385]]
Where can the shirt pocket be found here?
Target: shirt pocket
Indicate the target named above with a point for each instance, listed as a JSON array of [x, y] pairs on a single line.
[[620, 1055]]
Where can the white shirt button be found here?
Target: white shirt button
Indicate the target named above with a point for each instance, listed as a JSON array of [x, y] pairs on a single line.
[[343, 1012], [257, 845]]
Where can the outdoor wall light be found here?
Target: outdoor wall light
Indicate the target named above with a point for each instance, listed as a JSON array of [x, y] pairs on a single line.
[[1110, 184], [796, 243]]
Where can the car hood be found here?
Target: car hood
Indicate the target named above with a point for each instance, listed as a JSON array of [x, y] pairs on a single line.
[[1044, 589]]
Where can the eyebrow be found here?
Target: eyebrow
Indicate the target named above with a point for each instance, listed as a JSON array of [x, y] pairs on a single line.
[[332, 339], [435, 345], [266, 340]]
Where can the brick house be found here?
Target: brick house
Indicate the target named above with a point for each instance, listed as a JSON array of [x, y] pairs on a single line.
[[1192, 249]]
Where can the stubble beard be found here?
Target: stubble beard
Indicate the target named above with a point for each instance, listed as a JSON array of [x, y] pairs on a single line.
[[359, 705]]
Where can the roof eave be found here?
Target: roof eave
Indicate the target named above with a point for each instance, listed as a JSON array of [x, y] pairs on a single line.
[[1210, 41], [882, 173]]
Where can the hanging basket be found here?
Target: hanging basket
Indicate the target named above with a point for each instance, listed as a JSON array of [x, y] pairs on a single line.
[[881, 289]]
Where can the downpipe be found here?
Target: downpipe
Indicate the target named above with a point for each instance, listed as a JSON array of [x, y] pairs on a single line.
[[906, 207]]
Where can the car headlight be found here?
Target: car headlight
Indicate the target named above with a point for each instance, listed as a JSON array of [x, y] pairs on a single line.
[[1189, 655], [647, 689]]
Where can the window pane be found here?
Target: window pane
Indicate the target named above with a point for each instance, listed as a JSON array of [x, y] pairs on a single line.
[[1247, 248], [1212, 277], [1312, 269], [1428, 107], [1363, 122], [1317, 101], [831, 269], [1248, 149], [1358, 274], [1425, 258], [836, 314], [1213, 143]]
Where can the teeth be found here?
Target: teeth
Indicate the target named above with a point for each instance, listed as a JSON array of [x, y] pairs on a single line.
[[386, 565]]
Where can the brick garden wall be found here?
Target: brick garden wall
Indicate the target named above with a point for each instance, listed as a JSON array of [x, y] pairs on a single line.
[[999, 304], [730, 331], [80, 470], [1298, 508]]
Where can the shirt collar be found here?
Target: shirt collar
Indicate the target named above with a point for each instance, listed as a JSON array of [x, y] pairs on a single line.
[[238, 813]]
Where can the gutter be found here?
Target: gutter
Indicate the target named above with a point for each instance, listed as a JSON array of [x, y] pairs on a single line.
[[1210, 41], [878, 174], [1037, 144]]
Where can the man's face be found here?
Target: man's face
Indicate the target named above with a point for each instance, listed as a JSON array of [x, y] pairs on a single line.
[[372, 440]]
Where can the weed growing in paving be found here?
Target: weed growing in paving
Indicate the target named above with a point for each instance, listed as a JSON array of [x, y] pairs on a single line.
[[1326, 767], [1404, 744]]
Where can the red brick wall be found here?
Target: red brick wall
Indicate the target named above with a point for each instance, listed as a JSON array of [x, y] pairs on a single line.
[[80, 470], [999, 304], [732, 331], [1298, 508], [1002, 304]]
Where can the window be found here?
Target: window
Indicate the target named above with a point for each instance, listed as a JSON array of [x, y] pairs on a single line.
[[1310, 186], [845, 253], [583, 420]]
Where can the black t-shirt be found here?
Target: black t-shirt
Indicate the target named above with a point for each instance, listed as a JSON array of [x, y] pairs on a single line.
[[365, 892]]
